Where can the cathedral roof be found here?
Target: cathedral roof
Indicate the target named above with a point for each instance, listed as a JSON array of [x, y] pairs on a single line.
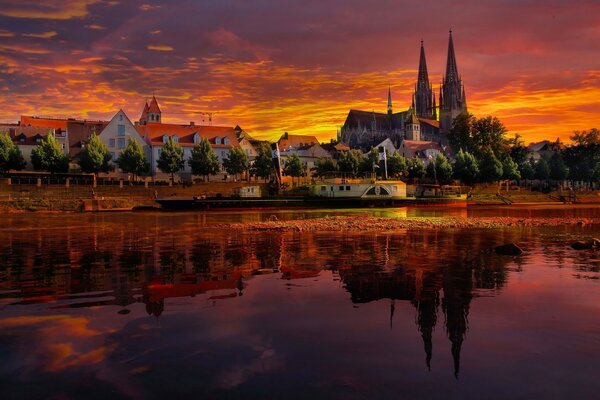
[[431, 122], [366, 119]]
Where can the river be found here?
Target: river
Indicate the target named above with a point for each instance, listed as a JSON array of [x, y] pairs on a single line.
[[172, 305]]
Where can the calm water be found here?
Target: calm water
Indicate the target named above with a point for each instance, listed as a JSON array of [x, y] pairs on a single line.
[[157, 305]]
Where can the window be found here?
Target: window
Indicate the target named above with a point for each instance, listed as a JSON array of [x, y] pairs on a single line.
[[341, 188], [121, 130], [112, 155], [323, 188], [165, 138], [347, 187], [196, 138], [120, 117], [111, 142], [217, 140], [159, 151], [121, 143], [176, 138], [225, 140]]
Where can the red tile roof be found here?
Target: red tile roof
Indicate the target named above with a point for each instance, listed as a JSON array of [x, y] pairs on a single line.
[[153, 107], [24, 135], [431, 122], [416, 146], [286, 141], [50, 123], [154, 132]]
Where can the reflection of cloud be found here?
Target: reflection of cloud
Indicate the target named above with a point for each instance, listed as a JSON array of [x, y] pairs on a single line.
[[97, 27], [160, 47], [61, 341], [267, 361], [48, 9], [43, 35]]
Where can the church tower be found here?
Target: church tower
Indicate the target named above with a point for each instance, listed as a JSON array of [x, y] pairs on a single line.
[[389, 104], [151, 112], [424, 97], [452, 95]]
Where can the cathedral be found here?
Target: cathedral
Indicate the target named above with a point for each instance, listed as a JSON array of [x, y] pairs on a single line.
[[423, 121]]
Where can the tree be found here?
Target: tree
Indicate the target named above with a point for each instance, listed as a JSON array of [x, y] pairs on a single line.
[[415, 167], [466, 168], [370, 161], [349, 162], [324, 166], [596, 173], [542, 169], [95, 157], [203, 160], [490, 167], [518, 151], [475, 135], [10, 154], [558, 169], [171, 158], [396, 165], [510, 169], [294, 167], [263, 163], [236, 162], [439, 169], [527, 170], [49, 156], [132, 159], [582, 157]]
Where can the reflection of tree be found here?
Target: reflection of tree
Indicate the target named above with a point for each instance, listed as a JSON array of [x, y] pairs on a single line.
[[203, 252], [172, 261]]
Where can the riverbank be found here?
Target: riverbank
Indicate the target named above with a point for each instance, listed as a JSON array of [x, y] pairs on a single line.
[[380, 224]]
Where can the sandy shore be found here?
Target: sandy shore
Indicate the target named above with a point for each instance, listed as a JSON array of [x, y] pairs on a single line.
[[365, 223]]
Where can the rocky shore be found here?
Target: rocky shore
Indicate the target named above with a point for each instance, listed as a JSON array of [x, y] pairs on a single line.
[[365, 223]]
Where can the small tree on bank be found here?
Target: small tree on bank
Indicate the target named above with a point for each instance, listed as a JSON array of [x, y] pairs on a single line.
[[510, 169], [490, 167], [10, 154], [203, 160], [350, 162], [466, 168], [171, 158], [49, 156], [294, 167], [236, 163], [542, 169], [396, 166], [439, 169], [95, 157], [132, 159], [324, 166], [558, 168], [416, 168], [263, 163]]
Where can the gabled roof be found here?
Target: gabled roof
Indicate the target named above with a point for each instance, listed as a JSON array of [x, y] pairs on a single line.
[[417, 147], [366, 119], [25, 135], [286, 141], [431, 122], [50, 123], [80, 132], [154, 132]]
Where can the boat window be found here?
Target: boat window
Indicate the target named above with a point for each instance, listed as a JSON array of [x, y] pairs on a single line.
[[371, 191], [323, 188], [347, 187], [341, 188], [383, 191]]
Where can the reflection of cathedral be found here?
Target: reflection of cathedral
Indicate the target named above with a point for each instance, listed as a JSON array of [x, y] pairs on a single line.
[[364, 129]]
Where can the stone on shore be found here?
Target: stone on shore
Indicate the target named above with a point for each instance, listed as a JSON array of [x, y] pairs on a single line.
[[509, 249]]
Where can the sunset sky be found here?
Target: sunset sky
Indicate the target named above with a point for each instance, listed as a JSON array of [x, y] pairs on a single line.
[[299, 66]]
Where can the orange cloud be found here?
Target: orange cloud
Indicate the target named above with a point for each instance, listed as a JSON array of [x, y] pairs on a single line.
[[49, 9], [43, 35]]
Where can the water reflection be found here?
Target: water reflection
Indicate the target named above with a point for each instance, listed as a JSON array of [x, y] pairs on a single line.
[[85, 279]]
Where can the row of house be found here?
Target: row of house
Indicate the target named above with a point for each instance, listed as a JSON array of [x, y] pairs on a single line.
[[151, 133]]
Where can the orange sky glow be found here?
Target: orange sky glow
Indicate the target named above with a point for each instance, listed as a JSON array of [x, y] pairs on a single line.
[[288, 66]]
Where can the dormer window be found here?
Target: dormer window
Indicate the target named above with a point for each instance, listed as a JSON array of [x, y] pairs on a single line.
[[175, 138], [196, 138], [217, 140], [165, 138], [226, 140]]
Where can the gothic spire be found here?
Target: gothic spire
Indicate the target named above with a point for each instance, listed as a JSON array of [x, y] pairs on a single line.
[[389, 103], [451, 68], [423, 79], [434, 111]]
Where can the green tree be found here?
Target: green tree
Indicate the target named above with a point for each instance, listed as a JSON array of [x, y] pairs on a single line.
[[236, 163], [415, 167], [370, 161], [518, 151], [475, 135], [324, 166], [542, 169], [558, 168], [203, 160], [510, 169], [94, 157], [527, 170], [263, 163], [396, 165], [490, 167], [466, 168], [349, 162], [10, 154], [439, 169], [132, 159], [596, 173], [49, 156], [294, 167], [171, 158]]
